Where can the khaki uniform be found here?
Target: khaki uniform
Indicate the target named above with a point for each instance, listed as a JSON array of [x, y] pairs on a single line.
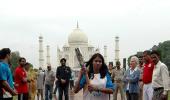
[[118, 75]]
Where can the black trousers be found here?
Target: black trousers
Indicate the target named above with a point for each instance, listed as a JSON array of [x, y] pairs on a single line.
[[63, 89], [131, 96], [23, 96], [6, 98]]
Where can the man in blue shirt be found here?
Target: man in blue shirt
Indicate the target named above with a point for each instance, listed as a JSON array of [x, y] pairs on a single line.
[[6, 81]]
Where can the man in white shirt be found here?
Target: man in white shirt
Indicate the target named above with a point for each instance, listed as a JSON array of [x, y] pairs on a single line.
[[40, 83], [49, 82], [160, 78]]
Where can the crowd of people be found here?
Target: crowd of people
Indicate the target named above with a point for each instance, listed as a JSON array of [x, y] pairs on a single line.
[[146, 78]]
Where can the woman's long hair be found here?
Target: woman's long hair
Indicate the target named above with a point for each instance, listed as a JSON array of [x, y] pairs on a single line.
[[103, 70]]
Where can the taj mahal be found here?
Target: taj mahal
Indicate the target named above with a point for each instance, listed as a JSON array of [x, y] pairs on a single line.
[[76, 39]]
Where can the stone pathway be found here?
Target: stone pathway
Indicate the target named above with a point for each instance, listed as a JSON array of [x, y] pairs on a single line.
[[79, 96]]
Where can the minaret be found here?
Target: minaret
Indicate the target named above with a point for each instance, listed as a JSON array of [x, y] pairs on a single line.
[[116, 48], [77, 25], [41, 57], [105, 54], [48, 54]]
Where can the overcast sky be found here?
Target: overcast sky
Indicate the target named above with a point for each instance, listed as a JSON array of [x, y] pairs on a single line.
[[140, 24]]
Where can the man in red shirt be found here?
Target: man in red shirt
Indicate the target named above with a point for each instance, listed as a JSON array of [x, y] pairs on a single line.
[[147, 76], [21, 83]]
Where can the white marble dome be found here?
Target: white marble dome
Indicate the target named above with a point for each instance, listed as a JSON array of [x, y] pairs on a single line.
[[77, 36]]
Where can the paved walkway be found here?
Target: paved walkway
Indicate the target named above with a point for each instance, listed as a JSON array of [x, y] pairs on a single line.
[[79, 96]]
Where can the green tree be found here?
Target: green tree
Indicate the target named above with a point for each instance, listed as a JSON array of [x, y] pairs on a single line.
[[128, 61], [31, 65], [14, 60], [164, 49]]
